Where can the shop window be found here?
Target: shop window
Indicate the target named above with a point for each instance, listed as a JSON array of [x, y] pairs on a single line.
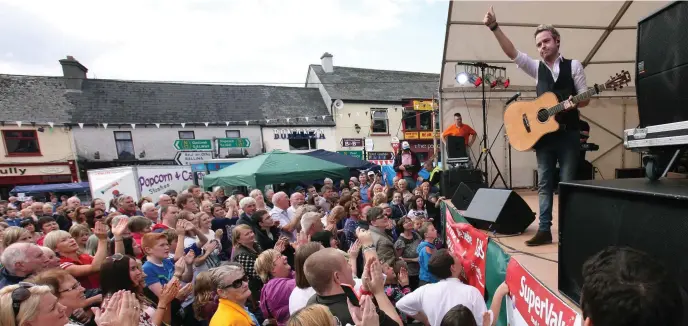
[[379, 121], [410, 120], [125, 145], [21, 142], [425, 120], [299, 141], [187, 135]]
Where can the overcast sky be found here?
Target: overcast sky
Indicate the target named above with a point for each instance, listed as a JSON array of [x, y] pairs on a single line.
[[270, 41]]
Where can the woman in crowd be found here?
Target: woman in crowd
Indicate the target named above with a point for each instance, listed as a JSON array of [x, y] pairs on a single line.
[[406, 246], [26, 304], [80, 233], [14, 234], [303, 290], [245, 253], [83, 267], [208, 257], [233, 291], [417, 209], [205, 298], [257, 195], [273, 269], [69, 293]]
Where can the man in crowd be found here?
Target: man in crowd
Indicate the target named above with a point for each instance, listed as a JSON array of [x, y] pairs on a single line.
[[327, 272], [280, 214], [21, 260], [429, 303], [407, 165]]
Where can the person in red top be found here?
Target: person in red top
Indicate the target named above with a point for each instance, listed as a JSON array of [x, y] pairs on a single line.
[[459, 129], [83, 267]]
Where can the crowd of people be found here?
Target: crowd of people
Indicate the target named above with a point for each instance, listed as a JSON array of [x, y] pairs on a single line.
[[357, 253]]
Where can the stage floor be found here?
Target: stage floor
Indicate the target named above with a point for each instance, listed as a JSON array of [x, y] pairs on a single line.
[[540, 261]]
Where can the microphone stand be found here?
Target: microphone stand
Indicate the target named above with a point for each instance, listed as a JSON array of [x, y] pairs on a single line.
[[486, 148]]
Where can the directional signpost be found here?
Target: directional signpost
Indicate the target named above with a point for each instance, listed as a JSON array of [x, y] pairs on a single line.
[[189, 158], [233, 142], [351, 142], [193, 145], [356, 154]]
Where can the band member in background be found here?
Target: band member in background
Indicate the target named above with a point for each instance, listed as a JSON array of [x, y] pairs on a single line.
[[584, 135], [407, 165], [459, 129], [565, 78]]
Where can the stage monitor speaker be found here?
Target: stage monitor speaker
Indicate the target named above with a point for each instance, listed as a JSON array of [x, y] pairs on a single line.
[[638, 213], [452, 178], [456, 147], [462, 197], [499, 210], [662, 66]]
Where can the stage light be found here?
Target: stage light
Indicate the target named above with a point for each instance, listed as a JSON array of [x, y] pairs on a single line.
[[462, 78], [475, 80]]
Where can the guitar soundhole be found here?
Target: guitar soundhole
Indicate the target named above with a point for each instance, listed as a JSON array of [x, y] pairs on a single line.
[[542, 115]]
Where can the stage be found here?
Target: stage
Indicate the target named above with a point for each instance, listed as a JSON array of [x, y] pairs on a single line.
[[540, 261]]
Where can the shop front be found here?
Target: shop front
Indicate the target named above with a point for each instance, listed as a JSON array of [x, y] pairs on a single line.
[[299, 139], [14, 174], [421, 143]]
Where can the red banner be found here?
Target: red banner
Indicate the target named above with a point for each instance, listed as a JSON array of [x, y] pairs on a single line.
[[470, 245], [533, 303]]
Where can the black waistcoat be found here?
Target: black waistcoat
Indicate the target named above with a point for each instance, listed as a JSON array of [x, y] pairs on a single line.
[[563, 88]]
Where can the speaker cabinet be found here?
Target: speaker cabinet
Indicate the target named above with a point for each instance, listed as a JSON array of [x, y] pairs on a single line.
[[638, 213], [499, 210], [662, 66], [452, 178], [462, 197]]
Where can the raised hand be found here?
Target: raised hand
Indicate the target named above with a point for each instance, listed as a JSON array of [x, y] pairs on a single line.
[[366, 314], [490, 18], [180, 266], [376, 283], [169, 292], [189, 257], [120, 228], [100, 230], [180, 227], [403, 277], [209, 247], [107, 315], [129, 310], [355, 248], [280, 245], [218, 234], [184, 291]]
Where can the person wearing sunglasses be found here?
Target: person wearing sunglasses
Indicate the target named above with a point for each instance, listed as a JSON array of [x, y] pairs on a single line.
[[69, 293], [232, 288], [27, 304]]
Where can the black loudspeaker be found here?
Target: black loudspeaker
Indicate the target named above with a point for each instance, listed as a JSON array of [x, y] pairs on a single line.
[[662, 66], [462, 197], [499, 210], [638, 213], [456, 147], [452, 178]]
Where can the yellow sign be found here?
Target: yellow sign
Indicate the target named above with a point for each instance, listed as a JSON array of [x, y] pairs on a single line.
[[422, 105], [426, 135], [410, 135]]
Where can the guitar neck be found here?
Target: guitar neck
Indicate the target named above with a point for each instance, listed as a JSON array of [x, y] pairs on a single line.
[[580, 97]]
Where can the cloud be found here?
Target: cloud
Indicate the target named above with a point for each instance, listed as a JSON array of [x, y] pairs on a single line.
[[202, 40]]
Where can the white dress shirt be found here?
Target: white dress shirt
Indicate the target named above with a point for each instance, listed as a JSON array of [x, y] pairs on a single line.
[[281, 215], [434, 300], [530, 66]]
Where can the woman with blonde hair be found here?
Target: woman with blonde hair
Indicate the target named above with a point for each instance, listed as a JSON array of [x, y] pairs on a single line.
[[260, 199], [278, 279], [68, 291], [14, 234], [26, 304], [313, 315], [83, 267], [80, 233], [245, 252], [205, 297]]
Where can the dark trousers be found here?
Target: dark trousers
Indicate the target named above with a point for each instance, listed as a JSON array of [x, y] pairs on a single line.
[[561, 147]]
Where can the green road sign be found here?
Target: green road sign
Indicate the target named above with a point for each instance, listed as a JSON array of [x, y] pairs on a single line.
[[233, 142], [356, 154], [193, 145]]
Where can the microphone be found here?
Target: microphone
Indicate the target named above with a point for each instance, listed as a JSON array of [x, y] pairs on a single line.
[[513, 98]]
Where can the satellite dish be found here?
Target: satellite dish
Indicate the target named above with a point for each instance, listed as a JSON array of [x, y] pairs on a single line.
[[338, 104]]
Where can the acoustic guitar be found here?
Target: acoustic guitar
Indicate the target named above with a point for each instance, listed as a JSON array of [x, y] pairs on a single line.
[[527, 121]]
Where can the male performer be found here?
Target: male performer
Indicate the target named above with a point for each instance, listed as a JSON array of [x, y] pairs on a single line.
[[565, 78], [459, 129]]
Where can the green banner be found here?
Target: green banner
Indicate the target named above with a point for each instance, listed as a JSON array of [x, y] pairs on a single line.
[[495, 263]]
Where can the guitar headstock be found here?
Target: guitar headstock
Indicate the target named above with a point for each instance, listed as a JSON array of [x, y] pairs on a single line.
[[618, 81]]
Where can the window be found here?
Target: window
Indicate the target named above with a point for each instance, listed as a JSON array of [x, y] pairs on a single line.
[[425, 120], [299, 141], [125, 145], [410, 121], [21, 142], [232, 134], [380, 123], [187, 135]]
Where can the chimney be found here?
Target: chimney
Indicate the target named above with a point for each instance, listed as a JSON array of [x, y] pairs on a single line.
[[326, 61], [74, 72]]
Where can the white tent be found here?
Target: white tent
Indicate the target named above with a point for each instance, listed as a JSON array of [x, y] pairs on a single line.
[[602, 35]]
